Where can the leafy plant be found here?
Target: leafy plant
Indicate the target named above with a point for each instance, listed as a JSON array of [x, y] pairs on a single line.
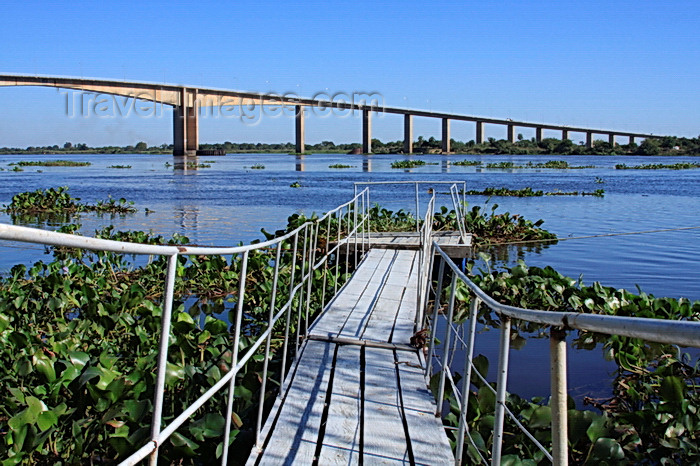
[[51, 163], [466, 163], [407, 163], [659, 166], [59, 201]]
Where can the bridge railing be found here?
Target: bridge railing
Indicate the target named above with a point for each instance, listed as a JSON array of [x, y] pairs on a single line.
[[297, 257], [442, 327]]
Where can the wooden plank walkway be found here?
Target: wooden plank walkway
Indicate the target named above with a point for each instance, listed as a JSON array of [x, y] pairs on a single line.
[[449, 241], [357, 393]]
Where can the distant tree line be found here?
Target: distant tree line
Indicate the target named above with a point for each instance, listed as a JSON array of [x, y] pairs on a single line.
[[669, 145]]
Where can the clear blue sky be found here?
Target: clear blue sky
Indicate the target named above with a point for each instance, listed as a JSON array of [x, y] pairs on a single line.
[[626, 65]]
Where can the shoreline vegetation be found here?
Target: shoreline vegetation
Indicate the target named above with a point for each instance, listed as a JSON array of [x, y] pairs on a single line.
[[668, 145]]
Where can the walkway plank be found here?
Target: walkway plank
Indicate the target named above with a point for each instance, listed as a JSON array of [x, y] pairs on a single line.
[[296, 431], [348, 403], [420, 416], [451, 242], [385, 441], [341, 443]]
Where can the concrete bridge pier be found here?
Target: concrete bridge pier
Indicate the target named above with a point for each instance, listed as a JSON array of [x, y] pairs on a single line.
[[538, 134], [611, 139], [446, 136], [564, 134], [511, 134], [479, 139], [408, 133], [589, 139], [299, 129], [366, 131], [631, 140], [186, 124]]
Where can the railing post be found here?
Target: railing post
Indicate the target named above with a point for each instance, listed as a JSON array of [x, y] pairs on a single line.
[[417, 208], [425, 285], [310, 278], [502, 380], [369, 220], [337, 252], [304, 249], [446, 345], [271, 314], [558, 403], [163, 354], [347, 242], [234, 358], [466, 382], [285, 345], [433, 327]]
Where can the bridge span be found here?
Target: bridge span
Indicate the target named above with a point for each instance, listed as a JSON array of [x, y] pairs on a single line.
[[188, 102]]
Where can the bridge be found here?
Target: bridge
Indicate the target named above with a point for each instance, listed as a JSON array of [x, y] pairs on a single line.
[[188, 101], [352, 384]]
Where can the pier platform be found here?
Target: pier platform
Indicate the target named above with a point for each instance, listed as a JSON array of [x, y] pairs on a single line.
[[454, 244]]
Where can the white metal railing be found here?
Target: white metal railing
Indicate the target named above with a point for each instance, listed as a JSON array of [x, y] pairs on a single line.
[[351, 223], [682, 333], [416, 184], [460, 210], [425, 259]]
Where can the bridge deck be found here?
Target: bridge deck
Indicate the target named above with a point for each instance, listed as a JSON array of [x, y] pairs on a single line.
[[358, 390]]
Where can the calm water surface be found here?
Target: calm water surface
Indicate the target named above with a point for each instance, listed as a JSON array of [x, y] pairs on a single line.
[[229, 202]]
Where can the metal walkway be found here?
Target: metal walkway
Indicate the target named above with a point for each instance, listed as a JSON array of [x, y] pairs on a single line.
[[358, 392]]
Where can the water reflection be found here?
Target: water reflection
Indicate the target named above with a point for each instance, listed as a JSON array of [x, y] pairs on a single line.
[[188, 218], [506, 255], [445, 165], [300, 165], [366, 164], [180, 163]]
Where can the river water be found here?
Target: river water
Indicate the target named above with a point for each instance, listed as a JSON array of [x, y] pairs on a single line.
[[229, 202]]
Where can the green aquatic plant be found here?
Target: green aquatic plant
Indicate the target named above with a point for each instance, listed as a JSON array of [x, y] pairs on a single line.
[[407, 163], [659, 166], [51, 163], [502, 165], [557, 164], [257, 166], [493, 191], [489, 228], [119, 166], [529, 192], [339, 165], [195, 165], [467, 163], [121, 206], [59, 201]]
